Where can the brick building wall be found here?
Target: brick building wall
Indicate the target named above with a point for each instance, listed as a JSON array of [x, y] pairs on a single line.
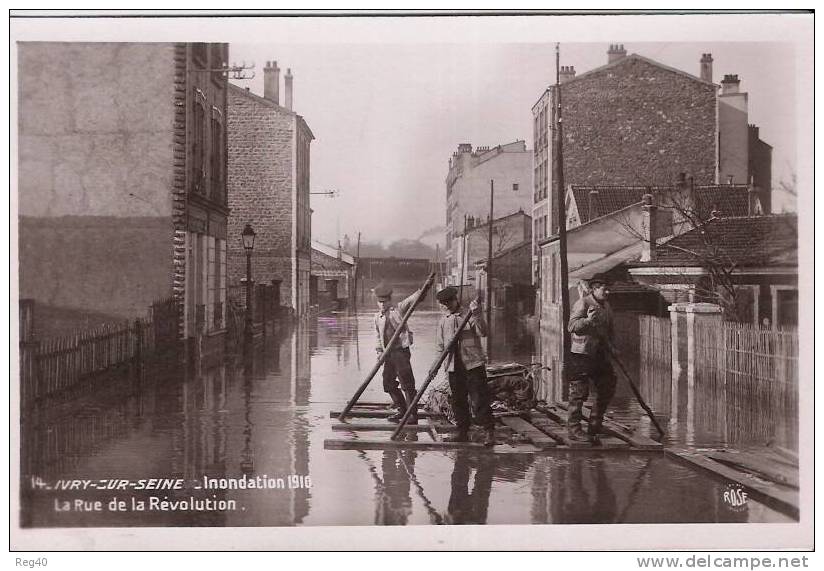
[[636, 122], [268, 184]]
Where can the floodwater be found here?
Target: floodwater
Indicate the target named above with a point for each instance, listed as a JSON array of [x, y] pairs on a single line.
[[267, 422]]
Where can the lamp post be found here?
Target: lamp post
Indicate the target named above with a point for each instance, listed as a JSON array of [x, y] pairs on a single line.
[[248, 237]]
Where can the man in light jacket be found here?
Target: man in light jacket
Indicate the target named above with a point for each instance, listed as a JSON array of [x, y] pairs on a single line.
[[466, 366], [397, 365], [591, 329]]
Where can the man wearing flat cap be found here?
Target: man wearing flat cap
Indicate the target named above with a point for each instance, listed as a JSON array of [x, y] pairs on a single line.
[[466, 365], [591, 329], [397, 366]]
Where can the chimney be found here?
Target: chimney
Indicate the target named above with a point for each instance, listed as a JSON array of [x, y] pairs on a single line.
[[593, 204], [649, 227], [567, 72], [288, 81], [271, 82], [706, 67], [729, 84], [616, 52], [753, 201]]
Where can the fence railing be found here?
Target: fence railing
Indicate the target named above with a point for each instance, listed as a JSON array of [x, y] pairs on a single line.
[[55, 364], [52, 365], [748, 376], [655, 360]]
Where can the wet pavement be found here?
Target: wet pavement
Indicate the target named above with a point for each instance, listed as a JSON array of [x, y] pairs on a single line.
[[267, 422]]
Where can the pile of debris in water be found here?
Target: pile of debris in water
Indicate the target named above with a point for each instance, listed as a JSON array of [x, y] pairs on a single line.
[[511, 385]]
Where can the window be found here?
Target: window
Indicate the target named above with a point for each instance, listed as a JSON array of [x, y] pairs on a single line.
[[515, 186], [217, 159], [198, 148], [200, 54]]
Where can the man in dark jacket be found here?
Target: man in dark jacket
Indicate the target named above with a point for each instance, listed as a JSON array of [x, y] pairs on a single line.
[[591, 328]]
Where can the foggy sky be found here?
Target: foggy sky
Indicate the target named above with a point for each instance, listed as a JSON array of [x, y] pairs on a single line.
[[387, 118]]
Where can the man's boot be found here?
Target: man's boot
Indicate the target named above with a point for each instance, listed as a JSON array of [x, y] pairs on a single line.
[[461, 436], [594, 430], [489, 438], [575, 433], [400, 402], [410, 398]]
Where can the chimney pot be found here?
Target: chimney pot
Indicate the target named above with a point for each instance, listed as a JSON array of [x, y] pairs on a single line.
[[593, 204], [567, 73], [706, 67], [730, 84], [271, 82], [288, 84], [650, 228], [615, 53]]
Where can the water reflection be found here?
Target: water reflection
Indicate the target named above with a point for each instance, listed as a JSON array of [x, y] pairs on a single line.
[[268, 417], [467, 507]]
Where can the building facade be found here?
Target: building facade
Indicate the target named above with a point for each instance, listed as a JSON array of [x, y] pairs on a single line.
[[332, 279], [473, 245], [268, 182], [122, 190], [635, 121], [468, 189]]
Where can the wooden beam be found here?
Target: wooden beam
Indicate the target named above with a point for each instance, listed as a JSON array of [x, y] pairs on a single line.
[[762, 467], [364, 444], [376, 427], [531, 433], [366, 413], [779, 499]]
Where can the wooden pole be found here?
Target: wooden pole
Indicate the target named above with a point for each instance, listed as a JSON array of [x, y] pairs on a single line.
[[427, 284], [463, 261], [636, 392], [561, 217], [489, 273], [433, 370]]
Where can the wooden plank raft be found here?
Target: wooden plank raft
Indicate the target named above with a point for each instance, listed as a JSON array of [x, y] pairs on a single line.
[[517, 432], [558, 413]]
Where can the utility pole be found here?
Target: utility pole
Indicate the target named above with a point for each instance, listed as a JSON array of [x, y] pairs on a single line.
[[489, 273], [357, 272], [562, 241]]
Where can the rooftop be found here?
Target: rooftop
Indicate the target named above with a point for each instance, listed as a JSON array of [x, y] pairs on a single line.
[[770, 240]]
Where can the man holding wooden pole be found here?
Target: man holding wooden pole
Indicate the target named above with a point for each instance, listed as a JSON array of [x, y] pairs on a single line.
[[591, 326], [397, 366], [466, 365]]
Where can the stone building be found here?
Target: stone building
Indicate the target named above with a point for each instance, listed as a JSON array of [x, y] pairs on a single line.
[[468, 185], [268, 181], [635, 121], [121, 189], [507, 232], [333, 278]]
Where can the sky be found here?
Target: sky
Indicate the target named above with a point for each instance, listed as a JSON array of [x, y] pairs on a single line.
[[390, 99], [387, 118]]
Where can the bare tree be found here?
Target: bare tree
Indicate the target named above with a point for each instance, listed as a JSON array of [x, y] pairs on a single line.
[[680, 211]]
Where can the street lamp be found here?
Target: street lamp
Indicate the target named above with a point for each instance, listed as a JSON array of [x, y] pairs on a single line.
[[248, 237]]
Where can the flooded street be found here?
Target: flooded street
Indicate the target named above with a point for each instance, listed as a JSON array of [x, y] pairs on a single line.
[[268, 423]]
